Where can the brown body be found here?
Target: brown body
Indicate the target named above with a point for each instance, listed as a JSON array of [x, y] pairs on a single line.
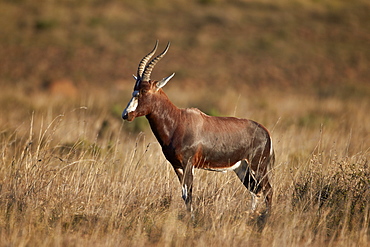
[[191, 139]]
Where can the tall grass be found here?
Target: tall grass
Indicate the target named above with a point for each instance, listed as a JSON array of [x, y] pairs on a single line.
[[71, 180]]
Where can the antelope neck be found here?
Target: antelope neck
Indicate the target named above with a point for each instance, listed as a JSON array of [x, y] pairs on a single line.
[[164, 119]]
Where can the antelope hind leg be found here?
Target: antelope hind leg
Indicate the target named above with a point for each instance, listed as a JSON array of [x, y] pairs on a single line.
[[247, 178]]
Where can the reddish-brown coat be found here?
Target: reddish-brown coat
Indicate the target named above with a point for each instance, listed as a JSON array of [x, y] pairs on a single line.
[[191, 139]]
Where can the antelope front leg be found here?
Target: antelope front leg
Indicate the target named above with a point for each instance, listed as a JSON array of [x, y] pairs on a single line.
[[186, 180]]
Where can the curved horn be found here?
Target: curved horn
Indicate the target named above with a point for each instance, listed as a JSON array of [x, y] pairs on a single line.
[[145, 59], [150, 66]]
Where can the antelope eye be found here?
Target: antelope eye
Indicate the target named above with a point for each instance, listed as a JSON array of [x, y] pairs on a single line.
[[144, 91], [135, 94]]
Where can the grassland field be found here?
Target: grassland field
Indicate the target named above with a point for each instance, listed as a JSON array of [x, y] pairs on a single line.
[[72, 173]]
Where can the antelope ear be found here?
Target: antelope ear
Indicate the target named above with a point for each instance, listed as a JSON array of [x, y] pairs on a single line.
[[164, 81], [135, 77]]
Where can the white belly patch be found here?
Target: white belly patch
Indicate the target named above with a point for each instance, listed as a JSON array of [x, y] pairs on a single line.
[[226, 169]]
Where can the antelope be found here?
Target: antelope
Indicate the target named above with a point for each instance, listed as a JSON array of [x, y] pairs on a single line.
[[191, 139]]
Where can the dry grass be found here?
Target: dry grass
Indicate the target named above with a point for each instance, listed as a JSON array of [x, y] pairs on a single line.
[[73, 174], [70, 180]]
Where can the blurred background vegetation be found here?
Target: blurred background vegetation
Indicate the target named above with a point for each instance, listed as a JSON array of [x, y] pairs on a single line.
[[297, 62], [321, 45]]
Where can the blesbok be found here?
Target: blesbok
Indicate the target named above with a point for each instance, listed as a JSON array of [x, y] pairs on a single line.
[[191, 139]]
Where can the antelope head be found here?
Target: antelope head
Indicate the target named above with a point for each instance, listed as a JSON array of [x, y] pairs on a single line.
[[145, 89]]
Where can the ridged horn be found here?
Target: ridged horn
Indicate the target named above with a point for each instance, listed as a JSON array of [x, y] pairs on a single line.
[[148, 69], [144, 61]]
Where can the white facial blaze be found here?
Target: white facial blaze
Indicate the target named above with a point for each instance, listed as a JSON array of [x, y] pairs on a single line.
[[132, 105]]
